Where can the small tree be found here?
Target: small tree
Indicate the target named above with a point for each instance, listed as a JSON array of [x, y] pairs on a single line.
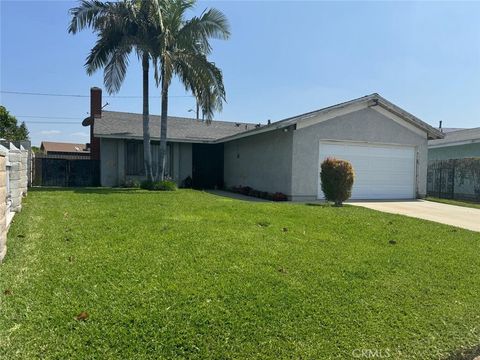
[[337, 180], [9, 129]]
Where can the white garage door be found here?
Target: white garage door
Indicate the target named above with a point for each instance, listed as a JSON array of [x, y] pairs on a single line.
[[381, 172]]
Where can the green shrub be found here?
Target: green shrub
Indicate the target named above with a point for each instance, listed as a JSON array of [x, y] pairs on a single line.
[[337, 178], [133, 183], [147, 185], [165, 185]]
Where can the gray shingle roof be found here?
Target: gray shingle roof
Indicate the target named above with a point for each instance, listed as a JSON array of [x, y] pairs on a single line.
[[129, 126], [460, 136]]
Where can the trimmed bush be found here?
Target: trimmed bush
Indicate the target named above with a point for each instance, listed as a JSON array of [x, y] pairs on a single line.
[[337, 178], [165, 185]]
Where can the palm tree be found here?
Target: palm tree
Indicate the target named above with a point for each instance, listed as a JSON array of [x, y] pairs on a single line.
[[121, 27], [182, 49]]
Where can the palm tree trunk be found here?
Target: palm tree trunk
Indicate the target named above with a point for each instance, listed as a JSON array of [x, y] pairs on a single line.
[[147, 153], [163, 130]]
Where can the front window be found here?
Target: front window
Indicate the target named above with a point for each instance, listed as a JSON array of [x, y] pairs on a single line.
[[134, 158]]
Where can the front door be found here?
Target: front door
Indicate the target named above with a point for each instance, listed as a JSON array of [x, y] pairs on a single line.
[[207, 166]]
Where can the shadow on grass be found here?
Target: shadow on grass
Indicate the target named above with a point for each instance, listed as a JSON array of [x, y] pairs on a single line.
[[465, 354]]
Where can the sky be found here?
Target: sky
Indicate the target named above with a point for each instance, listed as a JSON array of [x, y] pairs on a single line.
[[283, 59]]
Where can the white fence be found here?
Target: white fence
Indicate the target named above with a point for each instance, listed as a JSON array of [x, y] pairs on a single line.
[[13, 187]]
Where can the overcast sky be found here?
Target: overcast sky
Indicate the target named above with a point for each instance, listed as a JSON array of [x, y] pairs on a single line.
[[284, 58]]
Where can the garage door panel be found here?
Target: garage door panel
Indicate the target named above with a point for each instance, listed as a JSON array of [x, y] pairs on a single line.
[[381, 178], [381, 172], [381, 192]]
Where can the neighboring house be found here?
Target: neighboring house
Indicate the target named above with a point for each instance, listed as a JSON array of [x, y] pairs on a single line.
[[458, 144], [447, 130], [60, 150], [386, 145]]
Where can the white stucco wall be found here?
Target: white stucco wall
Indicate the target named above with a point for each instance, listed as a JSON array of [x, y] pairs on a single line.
[[366, 125], [263, 162]]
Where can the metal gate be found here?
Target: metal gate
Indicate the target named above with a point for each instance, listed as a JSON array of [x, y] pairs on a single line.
[[454, 179], [441, 179], [66, 172]]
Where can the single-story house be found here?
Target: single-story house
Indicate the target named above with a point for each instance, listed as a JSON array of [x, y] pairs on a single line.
[[386, 145], [458, 144], [62, 150]]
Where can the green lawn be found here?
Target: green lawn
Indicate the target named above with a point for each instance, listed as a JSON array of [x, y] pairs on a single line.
[[470, 204], [189, 274]]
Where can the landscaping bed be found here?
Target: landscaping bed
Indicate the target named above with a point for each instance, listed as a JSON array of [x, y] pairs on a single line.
[[248, 191]]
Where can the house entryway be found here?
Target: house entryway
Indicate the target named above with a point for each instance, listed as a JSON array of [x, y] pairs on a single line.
[[207, 166]]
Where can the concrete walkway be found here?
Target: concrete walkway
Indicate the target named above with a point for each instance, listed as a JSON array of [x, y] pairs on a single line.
[[463, 217]]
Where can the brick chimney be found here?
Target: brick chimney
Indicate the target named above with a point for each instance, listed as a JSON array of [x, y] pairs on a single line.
[[95, 112]]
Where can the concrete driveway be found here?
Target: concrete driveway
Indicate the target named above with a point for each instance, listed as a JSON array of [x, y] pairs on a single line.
[[459, 216]]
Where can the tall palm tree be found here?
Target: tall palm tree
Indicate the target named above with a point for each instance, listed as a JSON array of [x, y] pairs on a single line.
[[181, 50], [121, 27]]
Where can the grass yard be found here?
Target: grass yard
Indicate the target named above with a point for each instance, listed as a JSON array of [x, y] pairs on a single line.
[[188, 274], [465, 203]]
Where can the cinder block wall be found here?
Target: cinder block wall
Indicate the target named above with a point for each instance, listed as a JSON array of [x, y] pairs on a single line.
[[15, 159], [17, 187], [24, 171], [3, 196]]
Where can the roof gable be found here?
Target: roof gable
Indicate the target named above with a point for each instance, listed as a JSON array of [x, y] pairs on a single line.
[[373, 101]]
